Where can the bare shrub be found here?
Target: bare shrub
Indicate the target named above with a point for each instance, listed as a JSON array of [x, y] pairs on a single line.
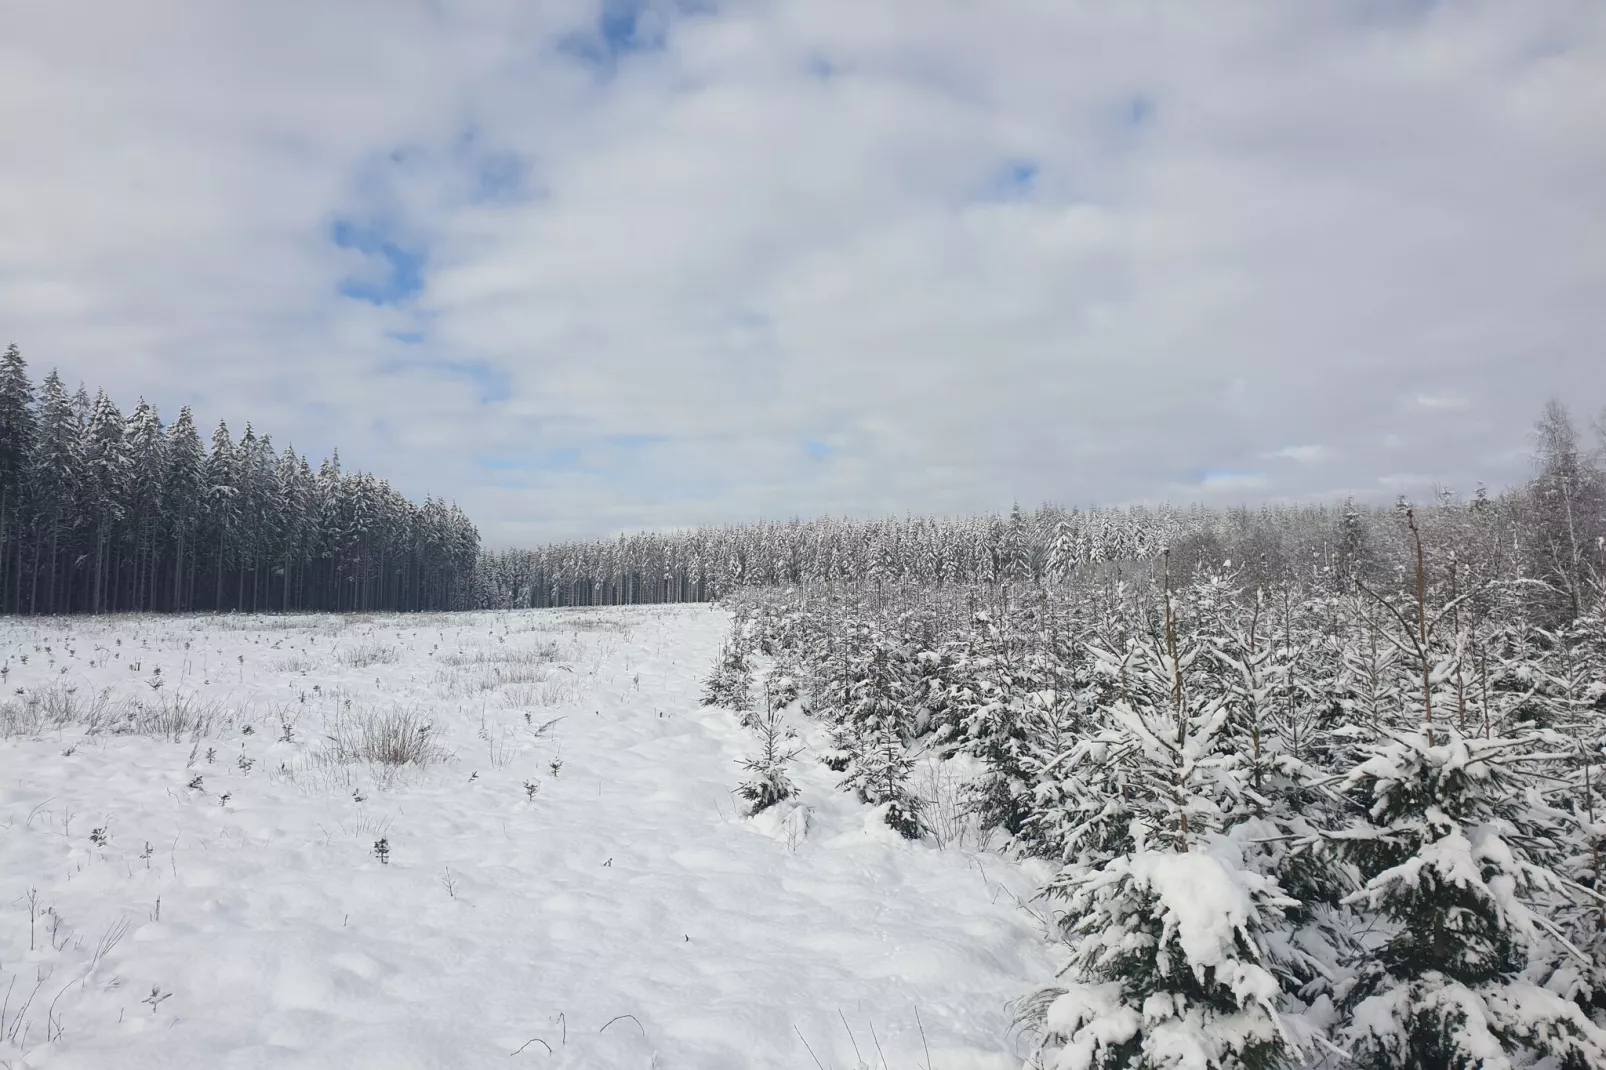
[[554, 689], [578, 622], [518, 696], [272, 623], [54, 708], [478, 679], [597, 624], [293, 663], [557, 691], [419, 621], [389, 737], [173, 717], [503, 655], [943, 806], [367, 653]]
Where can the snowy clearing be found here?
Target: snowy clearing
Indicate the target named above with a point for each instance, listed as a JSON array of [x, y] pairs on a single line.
[[435, 840]]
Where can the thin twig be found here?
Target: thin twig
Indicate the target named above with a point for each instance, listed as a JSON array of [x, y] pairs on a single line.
[[532, 1040], [857, 1058], [632, 1017], [805, 1041], [877, 1040], [923, 1043]]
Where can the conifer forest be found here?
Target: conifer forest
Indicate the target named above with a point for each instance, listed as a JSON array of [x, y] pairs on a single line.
[[102, 512], [1319, 785], [1305, 785]]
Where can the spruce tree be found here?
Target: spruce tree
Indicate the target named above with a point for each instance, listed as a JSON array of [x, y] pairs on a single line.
[[106, 489], [17, 430], [1170, 963], [1453, 905], [56, 476], [147, 476], [184, 492]]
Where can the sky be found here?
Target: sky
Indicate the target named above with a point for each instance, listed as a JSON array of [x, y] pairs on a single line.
[[588, 267]]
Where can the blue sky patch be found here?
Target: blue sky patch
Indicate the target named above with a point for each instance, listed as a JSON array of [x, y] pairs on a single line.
[[495, 175], [622, 27], [404, 266], [1013, 181], [1139, 110]]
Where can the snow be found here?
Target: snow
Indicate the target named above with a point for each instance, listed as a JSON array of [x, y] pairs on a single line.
[[622, 915], [1207, 906]]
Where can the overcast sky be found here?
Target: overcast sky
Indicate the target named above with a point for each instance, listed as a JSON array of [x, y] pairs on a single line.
[[587, 268]]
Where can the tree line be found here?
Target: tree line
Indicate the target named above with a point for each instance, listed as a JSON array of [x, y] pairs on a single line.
[[1554, 523], [104, 512]]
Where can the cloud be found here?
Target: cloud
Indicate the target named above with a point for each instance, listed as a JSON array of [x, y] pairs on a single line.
[[1214, 482], [1442, 401], [1049, 253], [1402, 482], [1302, 454]]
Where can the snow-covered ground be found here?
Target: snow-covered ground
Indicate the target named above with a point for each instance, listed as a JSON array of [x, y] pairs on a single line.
[[567, 878]]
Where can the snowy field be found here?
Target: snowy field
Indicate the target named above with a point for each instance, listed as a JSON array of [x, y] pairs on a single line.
[[435, 841]]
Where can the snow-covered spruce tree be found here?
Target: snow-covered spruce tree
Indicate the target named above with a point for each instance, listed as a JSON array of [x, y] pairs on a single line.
[[1168, 960], [730, 684], [1583, 918], [875, 685], [1056, 723], [1454, 909], [780, 683], [930, 688], [1270, 806], [880, 776], [1570, 691], [1457, 898], [833, 651], [844, 750], [1006, 678], [767, 783]]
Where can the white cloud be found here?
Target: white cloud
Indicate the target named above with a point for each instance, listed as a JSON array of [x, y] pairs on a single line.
[[1404, 481], [1214, 482], [1302, 454], [797, 222], [1442, 401]]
